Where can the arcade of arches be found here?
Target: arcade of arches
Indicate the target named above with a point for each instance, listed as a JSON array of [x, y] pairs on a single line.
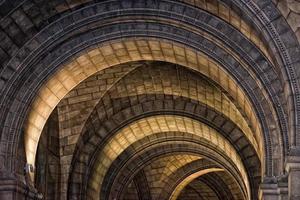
[[150, 99]]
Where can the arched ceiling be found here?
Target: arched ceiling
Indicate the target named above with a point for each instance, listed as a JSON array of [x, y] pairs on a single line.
[[50, 95], [165, 174], [127, 92], [163, 98], [149, 126], [209, 186]]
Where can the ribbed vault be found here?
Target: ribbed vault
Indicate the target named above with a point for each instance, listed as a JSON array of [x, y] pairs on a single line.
[[137, 94], [149, 100]]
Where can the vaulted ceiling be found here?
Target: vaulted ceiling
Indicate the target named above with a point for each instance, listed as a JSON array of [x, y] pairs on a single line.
[[155, 99]]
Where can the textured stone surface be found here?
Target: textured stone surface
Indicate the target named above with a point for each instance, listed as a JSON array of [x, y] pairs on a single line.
[[71, 114], [231, 97], [205, 66], [56, 26], [120, 90], [290, 9]]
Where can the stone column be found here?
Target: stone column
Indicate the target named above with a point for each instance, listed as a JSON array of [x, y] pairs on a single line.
[[15, 187], [274, 188], [268, 191], [282, 182], [293, 169]]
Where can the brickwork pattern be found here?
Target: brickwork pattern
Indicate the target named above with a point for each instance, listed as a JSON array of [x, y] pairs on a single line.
[[48, 97], [245, 49], [47, 176], [158, 171], [198, 190], [290, 10], [151, 125], [142, 153], [131, 193], [125, 115], [111, 94], [224, 177], [22, 23], [75, 108], [70, 139]]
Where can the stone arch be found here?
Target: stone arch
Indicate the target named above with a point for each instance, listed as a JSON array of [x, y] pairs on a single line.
[[158, 146], [114, 147], [43, 104], [188, 179], [159, 80], [133, 112], [247, 151], [140, 182], [24, 73], [102, 109], [223, 185]]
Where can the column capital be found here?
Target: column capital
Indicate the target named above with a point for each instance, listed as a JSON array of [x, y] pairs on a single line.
[[292, 166], [274, 188], [268, 189], [293, 159]]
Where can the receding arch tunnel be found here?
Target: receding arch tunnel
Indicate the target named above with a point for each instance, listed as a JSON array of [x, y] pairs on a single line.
[[149, 99]]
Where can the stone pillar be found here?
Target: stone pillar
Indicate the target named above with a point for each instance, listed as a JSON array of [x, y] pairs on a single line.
[[282, 182], [268, 190], [293, 169], [283, 193], [15, 187], [274, 188]]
